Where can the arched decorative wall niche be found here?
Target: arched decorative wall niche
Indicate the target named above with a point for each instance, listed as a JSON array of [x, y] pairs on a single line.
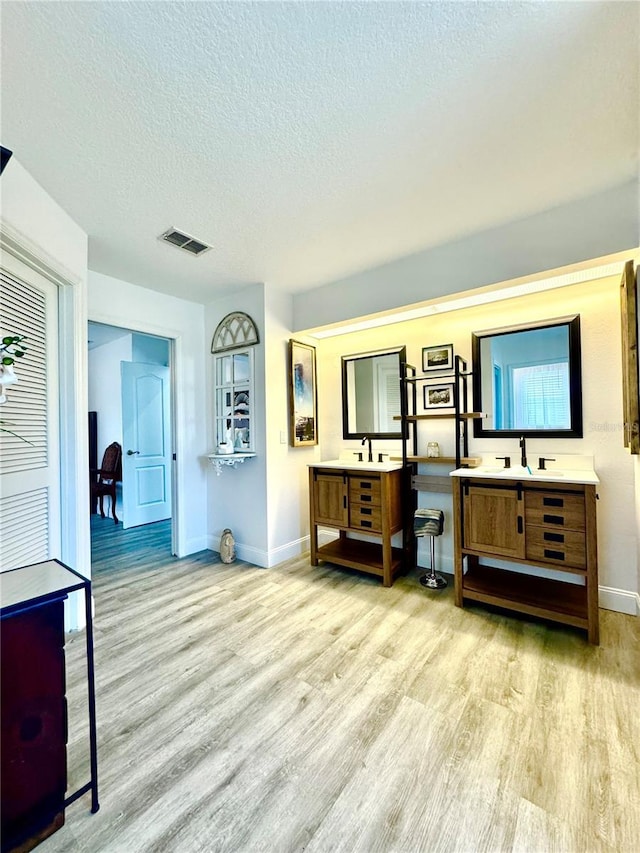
[[235, 330], [233, 414]]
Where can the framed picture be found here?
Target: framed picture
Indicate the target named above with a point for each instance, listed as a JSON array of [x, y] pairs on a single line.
[[437, 358], [439, 396], [303, 424], [630, 402]]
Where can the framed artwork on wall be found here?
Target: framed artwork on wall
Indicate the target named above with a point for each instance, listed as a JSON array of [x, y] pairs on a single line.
[[303, 419], [629, 315], [437, 358], [439, 396]]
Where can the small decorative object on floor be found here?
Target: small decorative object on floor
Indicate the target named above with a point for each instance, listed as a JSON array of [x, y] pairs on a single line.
[[227, 546], [430, 522], [433, 449]]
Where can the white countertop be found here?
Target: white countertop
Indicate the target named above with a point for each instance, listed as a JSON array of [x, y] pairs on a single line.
[[354, 465], [516, 472]]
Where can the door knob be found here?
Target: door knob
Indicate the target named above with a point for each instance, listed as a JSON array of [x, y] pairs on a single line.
[[133, 452]]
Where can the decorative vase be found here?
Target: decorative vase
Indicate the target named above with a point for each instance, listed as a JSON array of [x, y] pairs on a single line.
[[227, 546]]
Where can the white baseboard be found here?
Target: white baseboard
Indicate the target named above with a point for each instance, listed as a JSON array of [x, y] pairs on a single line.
[[620, 600], [247, 553], [288, 550], [262, 558]]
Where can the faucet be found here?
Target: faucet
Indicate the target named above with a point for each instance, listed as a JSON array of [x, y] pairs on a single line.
[[364, 441], [523, 452]]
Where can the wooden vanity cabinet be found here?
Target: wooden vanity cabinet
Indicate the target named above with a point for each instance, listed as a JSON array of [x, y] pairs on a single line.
[[551, 526], [362, 502]]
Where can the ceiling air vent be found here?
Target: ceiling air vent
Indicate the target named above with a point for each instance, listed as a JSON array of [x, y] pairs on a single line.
[[184, 241]]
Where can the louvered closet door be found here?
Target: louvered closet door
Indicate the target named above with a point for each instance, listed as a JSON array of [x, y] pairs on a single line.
[[29, 472]]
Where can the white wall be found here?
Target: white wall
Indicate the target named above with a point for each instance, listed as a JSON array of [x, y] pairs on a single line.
[[31, 211], [593, 227], [150, 350], [237, 497], [38, 231], [287, 472], [598, 305], [105, 389], [120, 303]]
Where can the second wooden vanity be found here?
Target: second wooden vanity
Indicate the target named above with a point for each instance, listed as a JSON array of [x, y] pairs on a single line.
[[360, 500], [551, 525]]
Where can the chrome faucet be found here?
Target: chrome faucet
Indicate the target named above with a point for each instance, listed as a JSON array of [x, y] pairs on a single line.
[[364, 441], [523, 452]]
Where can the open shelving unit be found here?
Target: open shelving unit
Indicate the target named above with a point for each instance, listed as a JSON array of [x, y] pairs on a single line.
[[458, 412], [412, 420]]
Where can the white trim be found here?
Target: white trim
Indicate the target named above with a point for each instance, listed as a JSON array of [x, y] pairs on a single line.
[[34, 256], [179, 547], [620, 600], [75, 545], [288, 550], [247, 553]]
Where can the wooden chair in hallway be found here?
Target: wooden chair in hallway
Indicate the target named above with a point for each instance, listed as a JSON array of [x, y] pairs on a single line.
[[105, 479]]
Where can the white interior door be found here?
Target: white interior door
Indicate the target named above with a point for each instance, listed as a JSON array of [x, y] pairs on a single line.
[[147, 447], [30, 469]]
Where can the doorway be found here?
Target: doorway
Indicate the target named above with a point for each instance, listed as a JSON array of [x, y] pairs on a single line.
[[130, 403]]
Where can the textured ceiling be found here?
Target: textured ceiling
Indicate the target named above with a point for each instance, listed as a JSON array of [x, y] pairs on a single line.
[[306, 141]]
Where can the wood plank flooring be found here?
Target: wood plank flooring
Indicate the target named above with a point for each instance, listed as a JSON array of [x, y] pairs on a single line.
[[300, 708]]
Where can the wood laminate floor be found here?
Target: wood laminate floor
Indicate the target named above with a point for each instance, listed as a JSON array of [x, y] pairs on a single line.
[[301, 708]]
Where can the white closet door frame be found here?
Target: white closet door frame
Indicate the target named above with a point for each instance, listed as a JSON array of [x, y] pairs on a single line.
[[75, 544], [38, 478]]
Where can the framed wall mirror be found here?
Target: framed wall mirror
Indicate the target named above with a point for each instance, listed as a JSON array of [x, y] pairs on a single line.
[[527, 380], [371, 393]]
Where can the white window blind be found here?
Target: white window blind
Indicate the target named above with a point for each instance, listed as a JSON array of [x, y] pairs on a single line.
[[29, 490], [541, 396], [24, 528], [23, 312]]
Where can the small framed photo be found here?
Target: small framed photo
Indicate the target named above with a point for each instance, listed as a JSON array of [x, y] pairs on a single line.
[[437, 358], [439, 396]]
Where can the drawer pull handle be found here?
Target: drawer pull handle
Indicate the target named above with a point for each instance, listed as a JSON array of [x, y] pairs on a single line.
[[553, 537], [553, 501], [553, 555], [365, 497], [553, 519], [364, 484], [366, 510], [366, 524], [520, 526]]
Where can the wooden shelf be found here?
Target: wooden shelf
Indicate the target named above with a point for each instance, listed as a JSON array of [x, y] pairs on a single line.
[[437, 378], [436, 415], [547, 599], [465, 461], [359, 554]]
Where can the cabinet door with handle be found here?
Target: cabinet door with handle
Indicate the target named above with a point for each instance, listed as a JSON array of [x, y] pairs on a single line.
[[330, 498], [494, 520]]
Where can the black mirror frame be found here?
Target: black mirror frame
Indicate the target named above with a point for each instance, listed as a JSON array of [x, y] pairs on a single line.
[[402, 359], [575, 381]]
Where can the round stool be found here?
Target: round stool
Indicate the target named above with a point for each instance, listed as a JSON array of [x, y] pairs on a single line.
[[430, 522]]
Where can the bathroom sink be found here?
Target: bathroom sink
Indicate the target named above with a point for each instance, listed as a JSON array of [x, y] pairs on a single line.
[[516, 472], [354, 465]]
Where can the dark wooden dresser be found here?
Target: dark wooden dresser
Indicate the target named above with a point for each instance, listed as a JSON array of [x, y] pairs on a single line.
[[34, 710]]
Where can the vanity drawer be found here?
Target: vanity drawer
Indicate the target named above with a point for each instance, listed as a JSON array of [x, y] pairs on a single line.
[[562, 547], [363, 517], [554, 510], [364, 490]]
